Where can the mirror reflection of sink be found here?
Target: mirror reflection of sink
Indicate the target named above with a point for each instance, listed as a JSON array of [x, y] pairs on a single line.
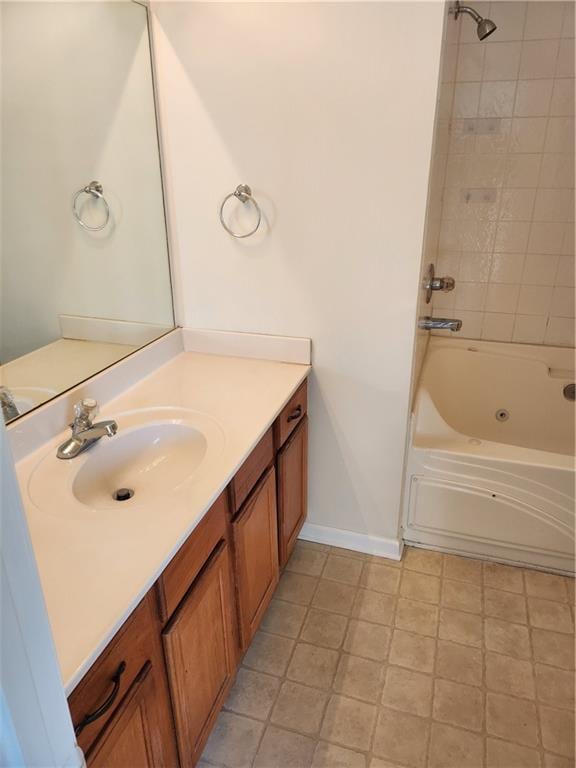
[[26, 398], [155, 453]]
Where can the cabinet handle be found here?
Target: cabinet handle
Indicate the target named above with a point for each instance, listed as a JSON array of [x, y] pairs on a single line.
[[296, 413], [105, 706]]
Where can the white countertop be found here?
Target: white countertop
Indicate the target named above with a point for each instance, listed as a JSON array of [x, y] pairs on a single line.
[[94, 571]]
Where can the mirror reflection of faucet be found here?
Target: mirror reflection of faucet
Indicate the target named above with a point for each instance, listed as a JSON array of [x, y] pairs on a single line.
[[84, 432], [9, 408]]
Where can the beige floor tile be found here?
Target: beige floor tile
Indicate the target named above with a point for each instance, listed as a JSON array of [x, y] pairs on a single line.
[[453, 748], [374, 606], [502, 754], [284, 749], [505, 605], [460, 627], [507, 638], [372, 641], [423, 560], [359, 678], [457, 704], [555, 686], [307, 561], [459, 663], [269, 653], [546, 585], [335, 597], [557, 730], [233, 741], [461, 595], [341, 552], [331, 756], [377, 762], [304, 543], [555, 761], [511, 719], [546, 614], [283, 618], [296, 588], [420, 586], [505, 577], [553, 648], [349, 722], [313, 665], [344, 569], [322, 628], [299, 708], [380, 578], [252, 694], [402, 738], [463, 569], [413, 616], [408, 691], [507, 675], [412, 651]]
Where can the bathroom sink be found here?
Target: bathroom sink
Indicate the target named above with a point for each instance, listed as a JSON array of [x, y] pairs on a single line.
[[148, 461], [151, 460]]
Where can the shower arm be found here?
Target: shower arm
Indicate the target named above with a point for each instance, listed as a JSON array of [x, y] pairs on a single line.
[[457, 9]]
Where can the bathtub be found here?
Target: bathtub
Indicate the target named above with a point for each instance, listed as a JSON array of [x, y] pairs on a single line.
[[490, 465]]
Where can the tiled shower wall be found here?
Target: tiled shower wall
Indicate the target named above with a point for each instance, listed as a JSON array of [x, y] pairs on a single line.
[[507, 221]]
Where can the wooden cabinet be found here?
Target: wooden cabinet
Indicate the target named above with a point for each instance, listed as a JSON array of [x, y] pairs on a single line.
[[199, 643], [292, 467], [135, 736], [255, 537], [122, 705]]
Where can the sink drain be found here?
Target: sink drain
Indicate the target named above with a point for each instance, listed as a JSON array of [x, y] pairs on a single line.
[[123, 494], [502, 414], [569, 391]]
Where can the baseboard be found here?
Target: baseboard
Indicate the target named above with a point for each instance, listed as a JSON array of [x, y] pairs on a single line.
[[282, 349], [358, 542]]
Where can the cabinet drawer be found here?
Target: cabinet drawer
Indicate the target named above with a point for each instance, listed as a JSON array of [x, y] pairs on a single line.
[[292, 414], [250, 472], [189, 561], [109, 679]]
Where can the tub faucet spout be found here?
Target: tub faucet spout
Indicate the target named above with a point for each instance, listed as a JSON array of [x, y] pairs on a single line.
[[439, 324]]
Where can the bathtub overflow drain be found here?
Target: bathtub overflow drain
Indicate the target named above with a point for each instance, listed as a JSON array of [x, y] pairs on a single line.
[[569, 391], [502, 414], [123, 494]]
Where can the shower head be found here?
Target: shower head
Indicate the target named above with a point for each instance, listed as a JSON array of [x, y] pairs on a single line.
[[484, 28]]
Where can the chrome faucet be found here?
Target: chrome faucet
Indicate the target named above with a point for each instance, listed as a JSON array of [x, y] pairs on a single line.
[[9, 408], [84, 432], [439, 324]]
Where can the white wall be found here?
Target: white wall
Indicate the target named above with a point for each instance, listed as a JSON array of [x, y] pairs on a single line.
[[77, 105], [512, 136], [36, 727], [327, 111]]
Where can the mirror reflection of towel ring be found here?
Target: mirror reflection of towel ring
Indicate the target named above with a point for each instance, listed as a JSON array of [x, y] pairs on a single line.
[[96, 190], [244, 194]]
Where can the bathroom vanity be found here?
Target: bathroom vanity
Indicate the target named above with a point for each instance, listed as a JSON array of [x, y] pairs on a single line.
[[176, 586]]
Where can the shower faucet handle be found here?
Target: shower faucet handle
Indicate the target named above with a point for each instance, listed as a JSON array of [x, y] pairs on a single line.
[[433, 283]]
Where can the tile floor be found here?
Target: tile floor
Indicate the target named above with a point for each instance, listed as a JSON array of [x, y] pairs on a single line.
[[434, 662]]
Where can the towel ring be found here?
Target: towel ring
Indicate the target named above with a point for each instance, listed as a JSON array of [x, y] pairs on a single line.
[[96, 190], [244, 194]]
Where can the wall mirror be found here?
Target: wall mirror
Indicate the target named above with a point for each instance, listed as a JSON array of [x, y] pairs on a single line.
[[84, 267]]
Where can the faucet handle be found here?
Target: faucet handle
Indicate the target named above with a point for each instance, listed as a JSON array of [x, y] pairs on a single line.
[[86, 409]]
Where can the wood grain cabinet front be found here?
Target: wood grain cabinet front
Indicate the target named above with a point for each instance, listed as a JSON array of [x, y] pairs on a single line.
[[255, 537], [140, 733], [200, 648], [292, 465]]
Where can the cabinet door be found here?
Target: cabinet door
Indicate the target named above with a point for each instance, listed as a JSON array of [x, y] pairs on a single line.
[[255, 535], [292, 489], [140, 733], [200, 652]]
